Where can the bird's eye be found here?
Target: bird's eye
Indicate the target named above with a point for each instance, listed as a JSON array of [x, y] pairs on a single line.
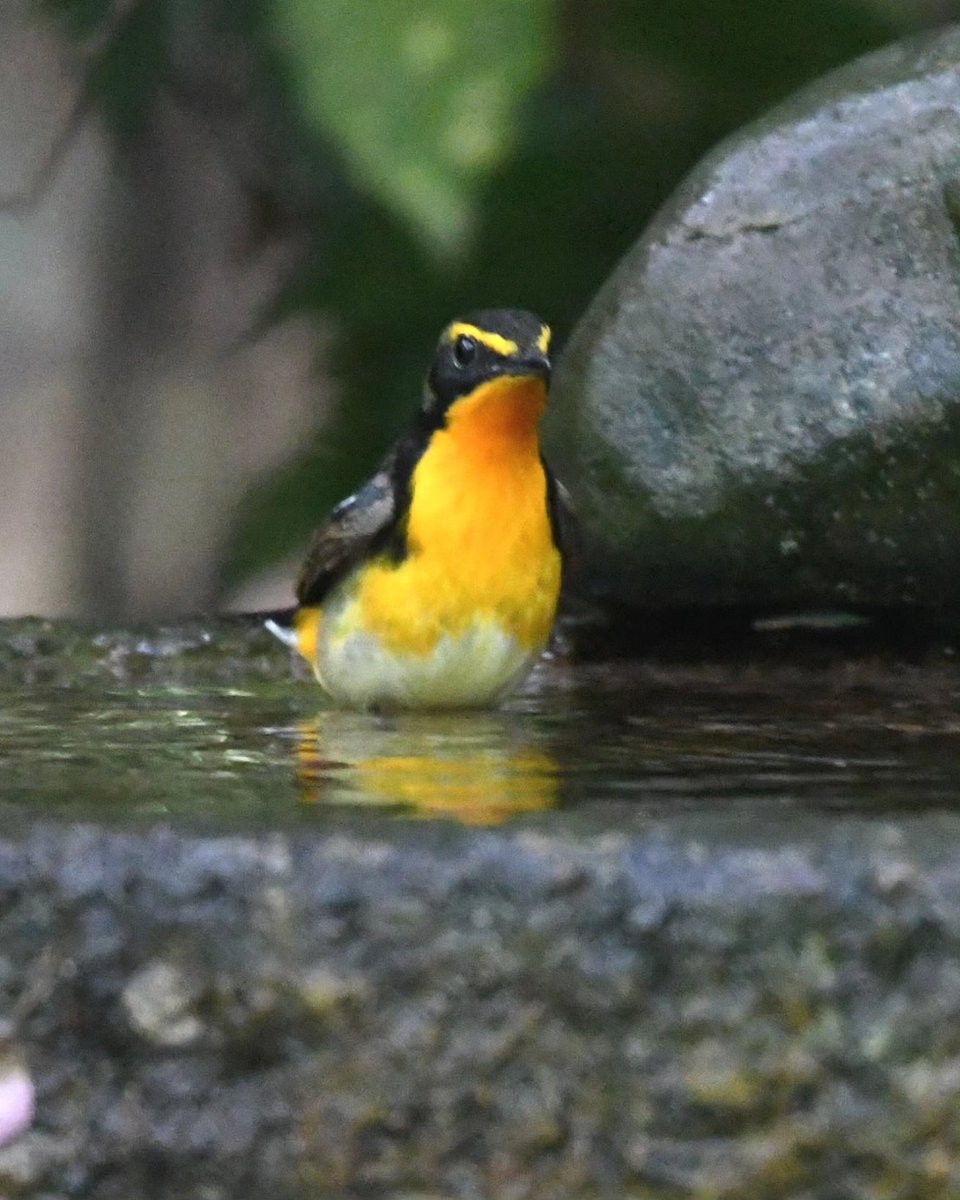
[[464, 350]]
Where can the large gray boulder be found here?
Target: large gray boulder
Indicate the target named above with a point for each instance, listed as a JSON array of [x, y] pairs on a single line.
[[762, 405]]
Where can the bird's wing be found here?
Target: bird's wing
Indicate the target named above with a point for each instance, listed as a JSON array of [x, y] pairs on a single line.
[[356, 526], [564, 525]]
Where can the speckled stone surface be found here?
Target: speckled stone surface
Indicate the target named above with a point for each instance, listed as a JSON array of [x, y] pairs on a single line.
[[445, 1012], [761, 405]]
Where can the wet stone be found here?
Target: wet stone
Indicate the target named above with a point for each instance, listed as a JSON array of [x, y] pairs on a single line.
[[697, 1013], [325, 993], [762, 405], [159, 1002]]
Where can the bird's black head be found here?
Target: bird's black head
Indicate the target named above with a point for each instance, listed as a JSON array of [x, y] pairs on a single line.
[[480, 347]]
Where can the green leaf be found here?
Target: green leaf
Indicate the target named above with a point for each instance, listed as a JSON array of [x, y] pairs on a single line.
[[421, 99]]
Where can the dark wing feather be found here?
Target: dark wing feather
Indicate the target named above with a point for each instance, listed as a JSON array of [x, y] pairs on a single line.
[[371, 521], [347, 535], [563, 524]]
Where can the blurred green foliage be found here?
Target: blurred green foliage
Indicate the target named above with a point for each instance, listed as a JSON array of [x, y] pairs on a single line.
[[419, 99], [451, 156]]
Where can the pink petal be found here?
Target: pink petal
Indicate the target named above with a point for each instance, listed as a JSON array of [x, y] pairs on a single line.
[[16, 1104]]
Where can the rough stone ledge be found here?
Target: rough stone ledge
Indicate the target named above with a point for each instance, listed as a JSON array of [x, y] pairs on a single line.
[[428, 1010]]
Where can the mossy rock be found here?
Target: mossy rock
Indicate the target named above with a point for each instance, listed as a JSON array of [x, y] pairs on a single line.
[[762, 405]]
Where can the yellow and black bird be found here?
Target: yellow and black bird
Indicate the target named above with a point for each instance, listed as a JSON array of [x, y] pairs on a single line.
[[436, 584]]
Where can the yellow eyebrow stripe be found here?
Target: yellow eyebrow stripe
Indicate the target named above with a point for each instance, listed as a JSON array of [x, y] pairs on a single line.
[[543, 341], [494, 341]]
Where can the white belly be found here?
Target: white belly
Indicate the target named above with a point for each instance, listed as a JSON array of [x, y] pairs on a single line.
[[475, 668]]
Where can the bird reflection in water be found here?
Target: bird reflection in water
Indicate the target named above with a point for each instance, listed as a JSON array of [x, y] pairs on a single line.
[[471, 767]]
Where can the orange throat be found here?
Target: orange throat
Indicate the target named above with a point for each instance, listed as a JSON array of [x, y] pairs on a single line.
[[479, 491], [501, 417]]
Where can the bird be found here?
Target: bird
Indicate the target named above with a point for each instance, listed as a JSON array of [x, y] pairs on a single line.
[[436, 584]]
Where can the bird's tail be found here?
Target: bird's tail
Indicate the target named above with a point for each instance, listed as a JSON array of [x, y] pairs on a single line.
[[298, 628], [286, 633]]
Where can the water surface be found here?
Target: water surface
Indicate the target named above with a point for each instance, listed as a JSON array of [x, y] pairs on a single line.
[[210, 725]]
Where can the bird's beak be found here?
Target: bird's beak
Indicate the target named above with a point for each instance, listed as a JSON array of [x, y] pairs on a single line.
[[535, 364]]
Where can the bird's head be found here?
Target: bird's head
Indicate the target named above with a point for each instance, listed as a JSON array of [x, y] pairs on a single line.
[[497, 344]]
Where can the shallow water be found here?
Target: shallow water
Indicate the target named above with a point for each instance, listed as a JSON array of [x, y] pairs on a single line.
[[210, 725]]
